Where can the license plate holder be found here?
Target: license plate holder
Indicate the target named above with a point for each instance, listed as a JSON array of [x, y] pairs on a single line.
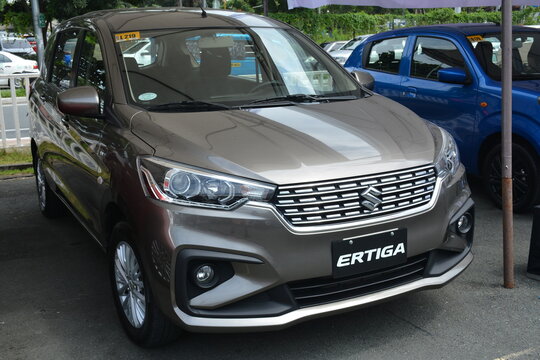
[[353, 256]]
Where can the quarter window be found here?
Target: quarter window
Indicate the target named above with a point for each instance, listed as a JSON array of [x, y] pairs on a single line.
[[385, 55], [432, 54], [4, 59], [63, 58]]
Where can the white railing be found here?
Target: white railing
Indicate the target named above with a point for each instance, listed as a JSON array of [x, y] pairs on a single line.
[[14, 140]]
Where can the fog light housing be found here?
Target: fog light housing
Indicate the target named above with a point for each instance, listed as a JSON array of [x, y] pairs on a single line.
[[205, 276], [464, 223]]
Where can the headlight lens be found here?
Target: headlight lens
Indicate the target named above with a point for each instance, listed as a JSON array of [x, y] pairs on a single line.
[[180, 184], [447, 161]]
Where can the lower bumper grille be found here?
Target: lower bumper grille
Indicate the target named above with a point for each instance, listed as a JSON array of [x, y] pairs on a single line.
[[325, 290]]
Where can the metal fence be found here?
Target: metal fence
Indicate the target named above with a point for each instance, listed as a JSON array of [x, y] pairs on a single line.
[[14, 132]]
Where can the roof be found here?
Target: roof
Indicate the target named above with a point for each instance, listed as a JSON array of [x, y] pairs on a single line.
[[133, 19], [459, 29]]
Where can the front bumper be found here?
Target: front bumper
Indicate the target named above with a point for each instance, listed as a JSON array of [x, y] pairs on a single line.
[[277, 322], [261, 261]]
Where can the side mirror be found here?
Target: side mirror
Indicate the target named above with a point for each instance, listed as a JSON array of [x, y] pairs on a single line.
[[453, 76], [365, 79], [79, 101]]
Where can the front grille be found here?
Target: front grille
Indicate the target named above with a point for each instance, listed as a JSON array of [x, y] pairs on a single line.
[[337, 201], [325, 290]]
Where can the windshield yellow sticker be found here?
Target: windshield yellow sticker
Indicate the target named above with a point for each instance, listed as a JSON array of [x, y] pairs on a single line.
[[134, 35], [235, 64], [475, 38]]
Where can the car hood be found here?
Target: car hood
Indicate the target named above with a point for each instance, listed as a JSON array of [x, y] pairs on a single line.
[[345, 53], [293, 144]]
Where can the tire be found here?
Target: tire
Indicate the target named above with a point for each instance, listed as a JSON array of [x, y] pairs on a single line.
[[49, 203], [18, 83], [525, 177], [146, 326]]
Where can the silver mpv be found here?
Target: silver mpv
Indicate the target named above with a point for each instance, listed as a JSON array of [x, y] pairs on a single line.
[[236, 175]]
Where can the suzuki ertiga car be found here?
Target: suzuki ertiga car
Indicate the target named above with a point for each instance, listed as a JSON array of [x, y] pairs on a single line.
[[236, 175]]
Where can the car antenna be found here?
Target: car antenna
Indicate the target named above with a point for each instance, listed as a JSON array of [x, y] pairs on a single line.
[[203, 11]]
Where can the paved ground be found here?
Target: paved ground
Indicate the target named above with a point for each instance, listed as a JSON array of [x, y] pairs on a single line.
[[55, 303]]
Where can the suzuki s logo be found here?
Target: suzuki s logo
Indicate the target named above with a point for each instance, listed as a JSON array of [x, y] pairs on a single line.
[[371, 198]]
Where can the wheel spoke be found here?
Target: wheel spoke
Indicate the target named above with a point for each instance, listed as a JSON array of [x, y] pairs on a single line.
[[130, 284], [120, 268]]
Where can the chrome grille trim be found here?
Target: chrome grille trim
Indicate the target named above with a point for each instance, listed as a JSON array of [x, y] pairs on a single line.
[[339, 201]]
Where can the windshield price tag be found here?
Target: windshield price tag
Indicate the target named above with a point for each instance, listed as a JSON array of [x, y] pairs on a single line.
[[475, 38], [134, 35]]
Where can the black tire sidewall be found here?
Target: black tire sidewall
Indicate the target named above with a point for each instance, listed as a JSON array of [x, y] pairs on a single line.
[[518, 151]]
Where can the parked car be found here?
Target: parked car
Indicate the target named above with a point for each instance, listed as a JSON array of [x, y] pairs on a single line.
[[450, 75], [12, 64], [346, 50], [32, 41], [334, 45], [231, 202], [17, 46]]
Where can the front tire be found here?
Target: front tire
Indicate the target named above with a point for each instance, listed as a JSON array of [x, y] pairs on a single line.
[[135, 304], [49, 203], [525, 177]]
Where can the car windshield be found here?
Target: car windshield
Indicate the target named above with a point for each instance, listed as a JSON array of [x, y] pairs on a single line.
[[212, 69], [525, 54], [351, 45], [15, 44]]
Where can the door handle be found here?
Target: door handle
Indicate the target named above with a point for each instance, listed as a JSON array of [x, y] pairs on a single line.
[[410, 92]]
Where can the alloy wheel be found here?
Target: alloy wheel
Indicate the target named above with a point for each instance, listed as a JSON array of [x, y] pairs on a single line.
[[129, 284]]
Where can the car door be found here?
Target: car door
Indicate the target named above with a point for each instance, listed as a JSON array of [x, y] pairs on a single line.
[[85, 174], [56, 150], [382, 59], [451, 106]]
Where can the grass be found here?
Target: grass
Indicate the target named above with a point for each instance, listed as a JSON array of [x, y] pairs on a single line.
[[27, 171], [7, 93], [15, 156]]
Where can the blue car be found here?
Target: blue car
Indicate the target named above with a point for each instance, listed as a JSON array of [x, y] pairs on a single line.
[[451, 76]]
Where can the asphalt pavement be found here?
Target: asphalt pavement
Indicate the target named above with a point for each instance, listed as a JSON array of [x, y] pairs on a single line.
[[55, 303]]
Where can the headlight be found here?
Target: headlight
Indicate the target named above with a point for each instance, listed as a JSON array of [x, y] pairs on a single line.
[[447, 160], [180, 184]]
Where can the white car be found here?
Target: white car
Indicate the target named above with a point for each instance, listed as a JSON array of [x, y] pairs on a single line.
[[13, 64], [346, 50], [334, 45]]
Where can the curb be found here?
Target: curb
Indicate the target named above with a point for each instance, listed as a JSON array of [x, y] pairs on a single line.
[[19, 176], [16, 166]]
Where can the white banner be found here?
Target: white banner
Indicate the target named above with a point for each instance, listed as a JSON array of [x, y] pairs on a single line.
[[406, 4]]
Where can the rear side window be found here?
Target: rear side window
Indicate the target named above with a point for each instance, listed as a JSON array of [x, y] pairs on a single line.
[[4, 59], [63, 58], [432, 54], [385, 55]]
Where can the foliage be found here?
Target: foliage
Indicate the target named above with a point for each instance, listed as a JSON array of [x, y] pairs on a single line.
[[238, 5], [330, 27]]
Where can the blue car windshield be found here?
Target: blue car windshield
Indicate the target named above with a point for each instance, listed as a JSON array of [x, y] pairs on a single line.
[[525, 54]]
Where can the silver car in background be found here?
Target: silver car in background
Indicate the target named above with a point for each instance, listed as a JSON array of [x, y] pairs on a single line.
[[346, 50]]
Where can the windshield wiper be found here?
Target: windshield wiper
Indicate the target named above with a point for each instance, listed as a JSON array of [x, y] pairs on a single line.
[[191, 105], [300, 98]]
